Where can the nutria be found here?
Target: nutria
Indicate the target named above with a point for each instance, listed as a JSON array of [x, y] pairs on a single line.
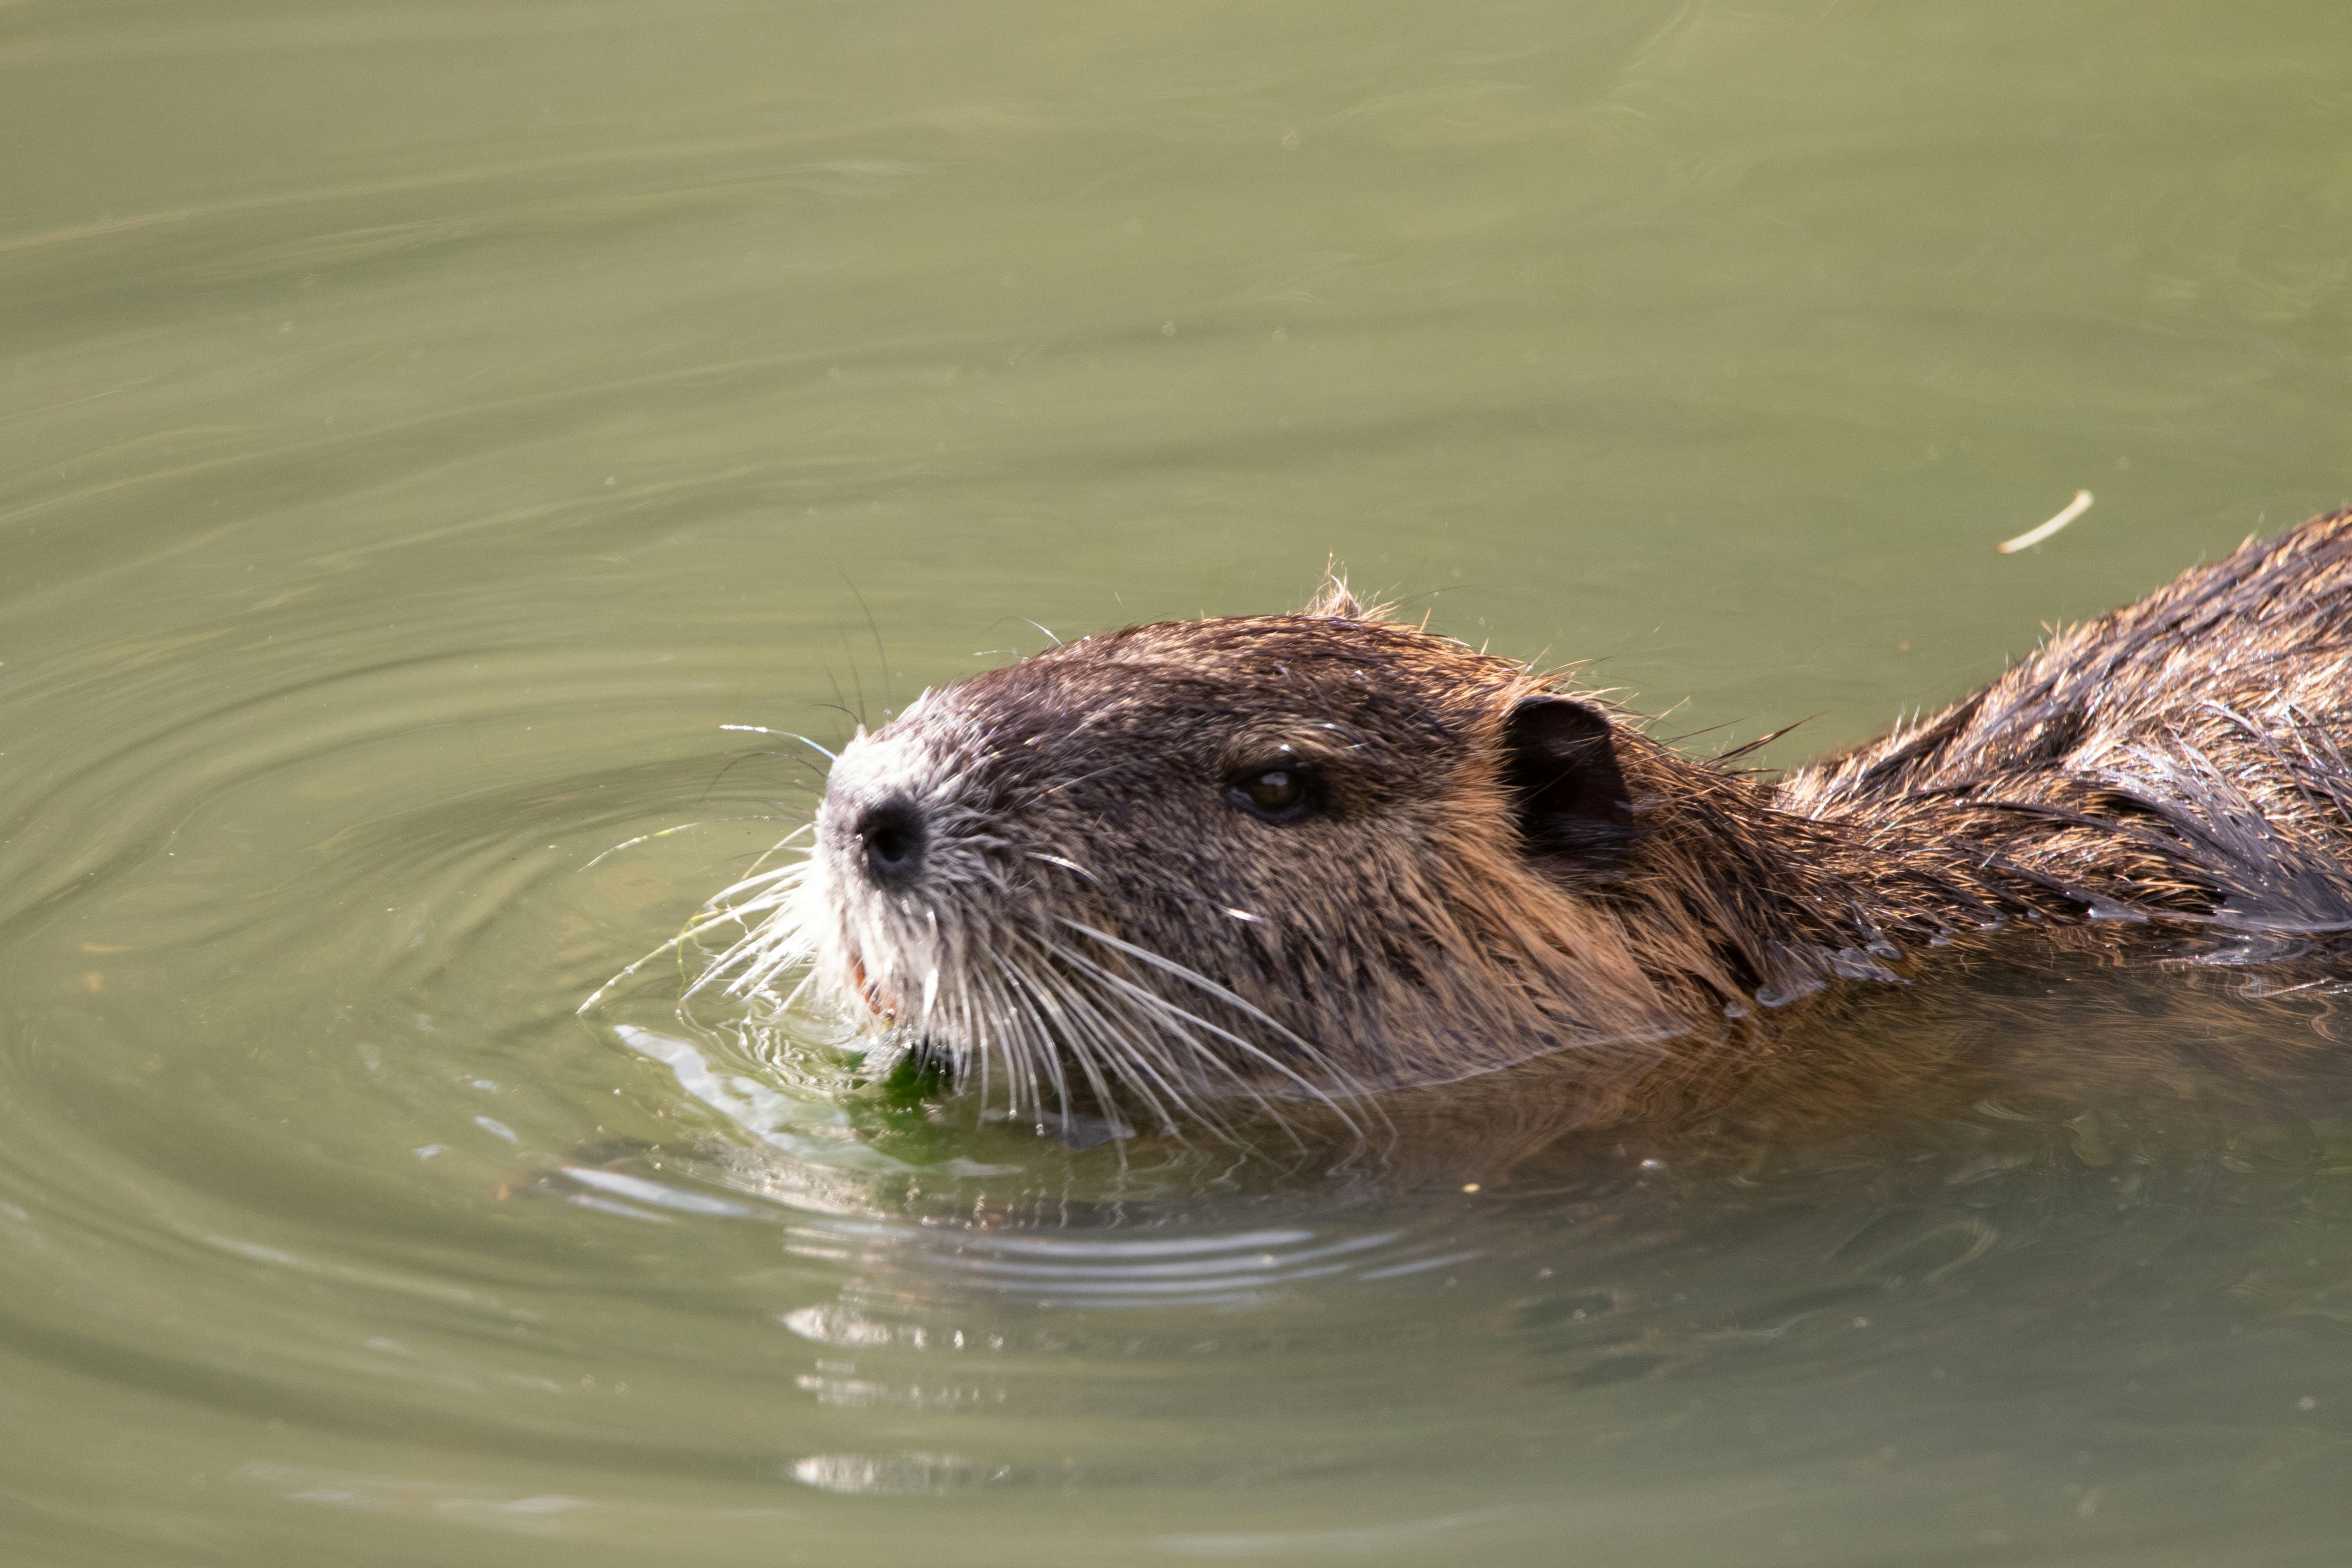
[[1270, 857]]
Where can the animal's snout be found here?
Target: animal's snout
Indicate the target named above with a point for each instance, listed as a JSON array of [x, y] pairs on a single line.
[[890, 840]]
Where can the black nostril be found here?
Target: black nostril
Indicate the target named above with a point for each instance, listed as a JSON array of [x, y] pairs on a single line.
[[890, 844], [892, 836]]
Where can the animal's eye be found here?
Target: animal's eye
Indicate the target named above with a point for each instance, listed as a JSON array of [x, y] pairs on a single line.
[[1283, 793]]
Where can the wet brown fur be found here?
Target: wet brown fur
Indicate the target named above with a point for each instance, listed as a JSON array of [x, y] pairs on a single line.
[[2174, 768]]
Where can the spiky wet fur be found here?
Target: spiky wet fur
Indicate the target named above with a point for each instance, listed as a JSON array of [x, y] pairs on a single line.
[[1095, 923]]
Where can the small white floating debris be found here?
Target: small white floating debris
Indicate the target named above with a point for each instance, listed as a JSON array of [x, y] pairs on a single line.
[[2032, 537]]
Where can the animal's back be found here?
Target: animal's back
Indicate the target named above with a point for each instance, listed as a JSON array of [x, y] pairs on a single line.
[[2184, 753]]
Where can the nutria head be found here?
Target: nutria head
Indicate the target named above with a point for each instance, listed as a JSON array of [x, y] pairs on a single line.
[[1311, 854], [1265, 855]]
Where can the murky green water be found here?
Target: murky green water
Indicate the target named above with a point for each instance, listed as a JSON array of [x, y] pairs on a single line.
[[422, 426]]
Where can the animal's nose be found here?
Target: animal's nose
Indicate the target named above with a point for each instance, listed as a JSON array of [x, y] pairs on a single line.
[[890, 838]]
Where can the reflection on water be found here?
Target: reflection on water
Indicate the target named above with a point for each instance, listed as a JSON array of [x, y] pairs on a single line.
[[422, 430]]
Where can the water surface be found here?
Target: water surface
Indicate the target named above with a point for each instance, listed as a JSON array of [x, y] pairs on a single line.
[[422, 426]]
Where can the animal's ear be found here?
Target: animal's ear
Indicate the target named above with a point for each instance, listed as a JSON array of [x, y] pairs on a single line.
[[1561, 765]]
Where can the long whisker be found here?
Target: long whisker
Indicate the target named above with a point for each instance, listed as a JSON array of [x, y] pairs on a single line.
[[1152, 1060], [1038, 795], [1044, 1053], [1195, 978], [1011, 1032], [1161, 1004], [761, 878], [1024, 1080], [768, 946], [1168, 1021], [672, 945], [1076, 1042], [1160, 1063], [1082, 1044], [716, 910], [1143, 1051], [773, 848], [649, 837], [785, 735], [1087, 1029]]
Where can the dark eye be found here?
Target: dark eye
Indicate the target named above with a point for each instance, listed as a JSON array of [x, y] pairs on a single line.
[[1284, 793]]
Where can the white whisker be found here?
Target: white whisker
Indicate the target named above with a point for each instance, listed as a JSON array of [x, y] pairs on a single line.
[[1086, 1031], [1139, 1051], [1068, 866], [1075, 1043], [1144, 1048], [672, 945], [1194, 978], [1161, 1004], [784, 735]]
